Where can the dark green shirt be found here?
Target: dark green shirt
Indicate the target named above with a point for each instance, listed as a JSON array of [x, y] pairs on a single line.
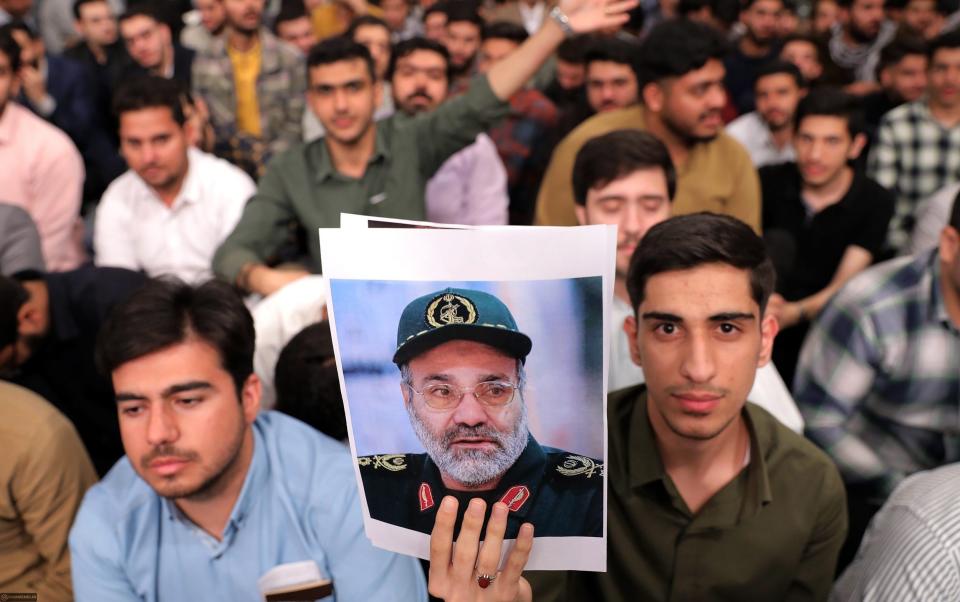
[[303, 186], [772, 534]]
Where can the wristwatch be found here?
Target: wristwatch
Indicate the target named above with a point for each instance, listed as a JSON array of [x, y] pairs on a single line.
[[561, 19]]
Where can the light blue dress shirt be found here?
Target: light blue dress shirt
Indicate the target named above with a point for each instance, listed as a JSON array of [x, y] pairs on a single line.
[[299, 502]]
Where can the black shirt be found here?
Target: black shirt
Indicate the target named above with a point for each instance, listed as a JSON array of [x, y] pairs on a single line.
[[62, 370], [860, 218]]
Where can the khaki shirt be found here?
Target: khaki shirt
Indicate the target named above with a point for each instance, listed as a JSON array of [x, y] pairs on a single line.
[[718, 176], [772, 534], [44, 472]]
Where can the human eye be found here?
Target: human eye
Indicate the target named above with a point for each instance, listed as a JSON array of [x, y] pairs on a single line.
[[666, 328], [131, 410], [188, 402], [728, 328], [495, 390], [439, 391], [354, 86]]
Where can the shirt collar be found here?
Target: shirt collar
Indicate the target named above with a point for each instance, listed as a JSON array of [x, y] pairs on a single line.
[[321, 158], [645, 465]]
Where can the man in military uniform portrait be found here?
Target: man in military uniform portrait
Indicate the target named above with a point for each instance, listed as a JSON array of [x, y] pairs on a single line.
[[461, 358]]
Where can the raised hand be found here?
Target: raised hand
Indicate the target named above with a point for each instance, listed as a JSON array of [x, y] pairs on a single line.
[[592, 15], [461, 572]]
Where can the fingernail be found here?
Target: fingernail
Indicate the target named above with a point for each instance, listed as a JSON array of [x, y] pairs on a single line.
[[448, 504], [476, 506]]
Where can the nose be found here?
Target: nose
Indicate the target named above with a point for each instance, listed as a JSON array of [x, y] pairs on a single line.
[[161, 425], [698, 364], [630, 220], [340, 100], [470, 411]]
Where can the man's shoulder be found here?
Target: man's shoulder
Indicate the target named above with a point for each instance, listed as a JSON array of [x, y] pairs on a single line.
[[602, 123], [745, 125], [569, 470], [51, 142], [217, 171], [121, 191], [118, 496], [907, 112]]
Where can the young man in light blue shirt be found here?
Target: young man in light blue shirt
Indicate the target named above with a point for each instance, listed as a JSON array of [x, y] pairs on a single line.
[[210, 495]]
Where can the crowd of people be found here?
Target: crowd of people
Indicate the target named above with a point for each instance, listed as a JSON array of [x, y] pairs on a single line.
[[785, 181]]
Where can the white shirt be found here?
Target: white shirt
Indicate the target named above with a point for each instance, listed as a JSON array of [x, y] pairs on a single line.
[[532, 15], [769, 392], [470, 188], [751, 131], [932, 216], [134, 229]]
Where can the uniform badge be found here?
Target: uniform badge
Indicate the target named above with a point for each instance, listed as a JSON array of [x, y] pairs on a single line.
[[426, 497], [450, 308], [516, 497]]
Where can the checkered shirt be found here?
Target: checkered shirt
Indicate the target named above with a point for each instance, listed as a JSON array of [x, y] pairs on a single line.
[[914, 156], [878, 381]]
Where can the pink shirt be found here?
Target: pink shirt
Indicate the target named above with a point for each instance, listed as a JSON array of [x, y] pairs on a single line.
[[41, 170]]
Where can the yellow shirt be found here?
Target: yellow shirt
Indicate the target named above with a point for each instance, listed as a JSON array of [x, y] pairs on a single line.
[[332, 19], [718, 176], [246, 69]]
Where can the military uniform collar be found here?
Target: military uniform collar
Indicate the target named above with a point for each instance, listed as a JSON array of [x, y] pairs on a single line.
[[645, 466], [517, 488]]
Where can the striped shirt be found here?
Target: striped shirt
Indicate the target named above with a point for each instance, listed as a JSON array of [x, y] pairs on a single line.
[[914, 156], [911, 553], [878, 381]]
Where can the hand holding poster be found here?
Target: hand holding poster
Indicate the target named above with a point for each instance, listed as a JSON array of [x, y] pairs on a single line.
[[468, 372]]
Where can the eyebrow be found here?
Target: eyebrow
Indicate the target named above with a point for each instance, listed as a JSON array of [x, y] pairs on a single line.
[[493, 376], [192, 385], [727, 316]]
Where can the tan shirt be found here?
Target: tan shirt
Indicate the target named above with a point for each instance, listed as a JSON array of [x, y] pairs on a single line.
[[44, 472], [718, 176]]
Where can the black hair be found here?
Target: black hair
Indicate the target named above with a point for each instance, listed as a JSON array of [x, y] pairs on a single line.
[[21, 26], [143, 9], [617, 154], [409, 46], [676, 47], [504, 30], [78, 4], [833, 102], [949, 40], [167, 311], [688, 241], [572, 50], [290, 11], [307, 384], [463, 11], [336, 49], [778, 66], [149, 92], [12, 297], [365, 21], [902, 46], [814, 41], [9, 47], [613, 50]]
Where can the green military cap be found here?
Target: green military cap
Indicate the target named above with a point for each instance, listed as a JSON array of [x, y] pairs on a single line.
[[456, 313]]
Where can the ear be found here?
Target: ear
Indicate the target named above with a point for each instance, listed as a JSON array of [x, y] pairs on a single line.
[[250, 397], [76, 28], [769, 327], [581, 212], [30, 319], [631, 327], [856, 147], [949, 244], [653, 96]]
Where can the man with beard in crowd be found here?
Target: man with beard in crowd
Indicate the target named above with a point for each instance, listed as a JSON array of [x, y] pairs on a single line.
[[463, 37], [767, 133], [757, 46], [463, 384], [471, 186], [856, 40]]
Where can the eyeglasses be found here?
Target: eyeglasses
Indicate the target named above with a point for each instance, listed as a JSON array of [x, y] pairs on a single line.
[[441, 396]]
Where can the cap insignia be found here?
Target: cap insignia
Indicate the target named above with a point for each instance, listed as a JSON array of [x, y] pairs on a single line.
[[450, 308]]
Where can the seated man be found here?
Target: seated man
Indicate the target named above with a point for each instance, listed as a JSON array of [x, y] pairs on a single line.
[[767, 131], [150, 43], [710, 497], [626, 178], [471, 186], [44, 472], [909, 554], [479, 444], [682, 96], [175, 205], [878, 375], [211, 495], [826, 220], [42, 169], [57, 317], [376, 168]]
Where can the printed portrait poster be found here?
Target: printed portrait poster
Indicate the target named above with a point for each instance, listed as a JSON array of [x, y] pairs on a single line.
[[473, 363]]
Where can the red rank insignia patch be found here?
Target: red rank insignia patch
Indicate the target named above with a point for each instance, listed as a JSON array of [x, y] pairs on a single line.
[[426, 497], [516, 497]]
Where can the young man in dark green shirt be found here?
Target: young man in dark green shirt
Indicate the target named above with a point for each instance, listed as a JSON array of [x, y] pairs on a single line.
[[710, 497], [380, 169]]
